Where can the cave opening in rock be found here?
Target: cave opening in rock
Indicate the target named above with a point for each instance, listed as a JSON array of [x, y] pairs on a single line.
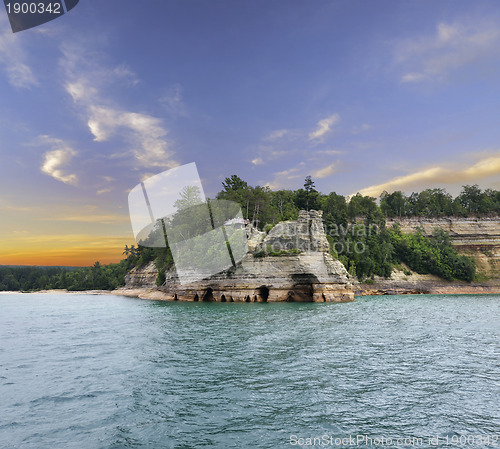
[[324, 297], [264, 293], [303, 287], [176, 298], [247, 299], [208, 296], [196, 297], [223, 298]]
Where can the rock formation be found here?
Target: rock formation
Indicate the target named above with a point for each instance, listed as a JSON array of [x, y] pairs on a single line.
[[303, 271], [477, 237]]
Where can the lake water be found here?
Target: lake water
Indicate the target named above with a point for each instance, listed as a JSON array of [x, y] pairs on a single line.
[[84, 372]]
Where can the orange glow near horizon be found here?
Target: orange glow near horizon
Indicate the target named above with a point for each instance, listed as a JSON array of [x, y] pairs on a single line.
[[75, 259], [72, 237], [105, 251]]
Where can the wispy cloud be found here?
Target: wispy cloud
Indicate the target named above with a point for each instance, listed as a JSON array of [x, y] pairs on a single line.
[[276, 135], [288, 178], [287, 142], [55, 160], [452, 46], [173, 102], [324, 126], [439, 174], [13, 58], [145, 134], [361, 129], [328, 152], [325, 171]]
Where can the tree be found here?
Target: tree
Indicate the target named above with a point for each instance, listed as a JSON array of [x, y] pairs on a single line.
[[334, 209], [189, 196], [470, 198], [393, 204], [363, 206], [283, 202], [309, 188], [237, 190], [234, 183]]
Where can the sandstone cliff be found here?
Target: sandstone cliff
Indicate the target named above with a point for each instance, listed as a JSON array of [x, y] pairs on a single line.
[[477, 237], [142, 277], [304, 271]]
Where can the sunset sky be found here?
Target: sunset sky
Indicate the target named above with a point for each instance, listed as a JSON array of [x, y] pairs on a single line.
[[362, 95]]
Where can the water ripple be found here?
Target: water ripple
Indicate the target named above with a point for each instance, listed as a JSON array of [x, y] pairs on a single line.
[[107, 372]]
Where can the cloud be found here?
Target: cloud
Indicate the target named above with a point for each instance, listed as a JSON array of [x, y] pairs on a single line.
[[12, 58], [291, 173], [361, 129], [103, 191], [146, 132], [85, 82], [286, 178], [55, 159], [275, 135], [172, 101], [484, 168], [413, 77], [326, 171], [257, 161], [324, 127], [452, 46], [329, 152]]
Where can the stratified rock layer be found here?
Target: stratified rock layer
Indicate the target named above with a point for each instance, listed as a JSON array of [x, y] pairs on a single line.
[[477, 237]]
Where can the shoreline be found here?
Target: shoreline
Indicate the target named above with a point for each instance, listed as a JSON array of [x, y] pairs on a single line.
[[379, 288], [58, 291]]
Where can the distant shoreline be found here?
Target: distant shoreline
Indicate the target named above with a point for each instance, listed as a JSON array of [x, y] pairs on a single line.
[[59, 291]]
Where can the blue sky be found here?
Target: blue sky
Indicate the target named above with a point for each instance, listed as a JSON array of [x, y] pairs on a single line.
[[361, 95]]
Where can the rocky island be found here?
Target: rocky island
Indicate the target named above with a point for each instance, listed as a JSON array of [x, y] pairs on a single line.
[[290, 263]]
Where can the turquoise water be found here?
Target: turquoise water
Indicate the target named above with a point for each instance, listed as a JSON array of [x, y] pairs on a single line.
[[80, 371]]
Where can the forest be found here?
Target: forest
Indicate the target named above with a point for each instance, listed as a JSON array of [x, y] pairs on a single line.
[[364, 254]]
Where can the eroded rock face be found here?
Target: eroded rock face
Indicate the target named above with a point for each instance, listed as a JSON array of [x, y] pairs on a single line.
[[142, 277], [254, 237], [308, 277], [306, 234], [311, 276], [477, 237]]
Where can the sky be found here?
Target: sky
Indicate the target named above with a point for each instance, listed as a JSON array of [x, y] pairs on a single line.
[[362, 95]]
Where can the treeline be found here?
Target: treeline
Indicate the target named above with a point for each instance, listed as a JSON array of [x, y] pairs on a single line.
[[471, 201], [261, 205], [356, 229], [97, 277]]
